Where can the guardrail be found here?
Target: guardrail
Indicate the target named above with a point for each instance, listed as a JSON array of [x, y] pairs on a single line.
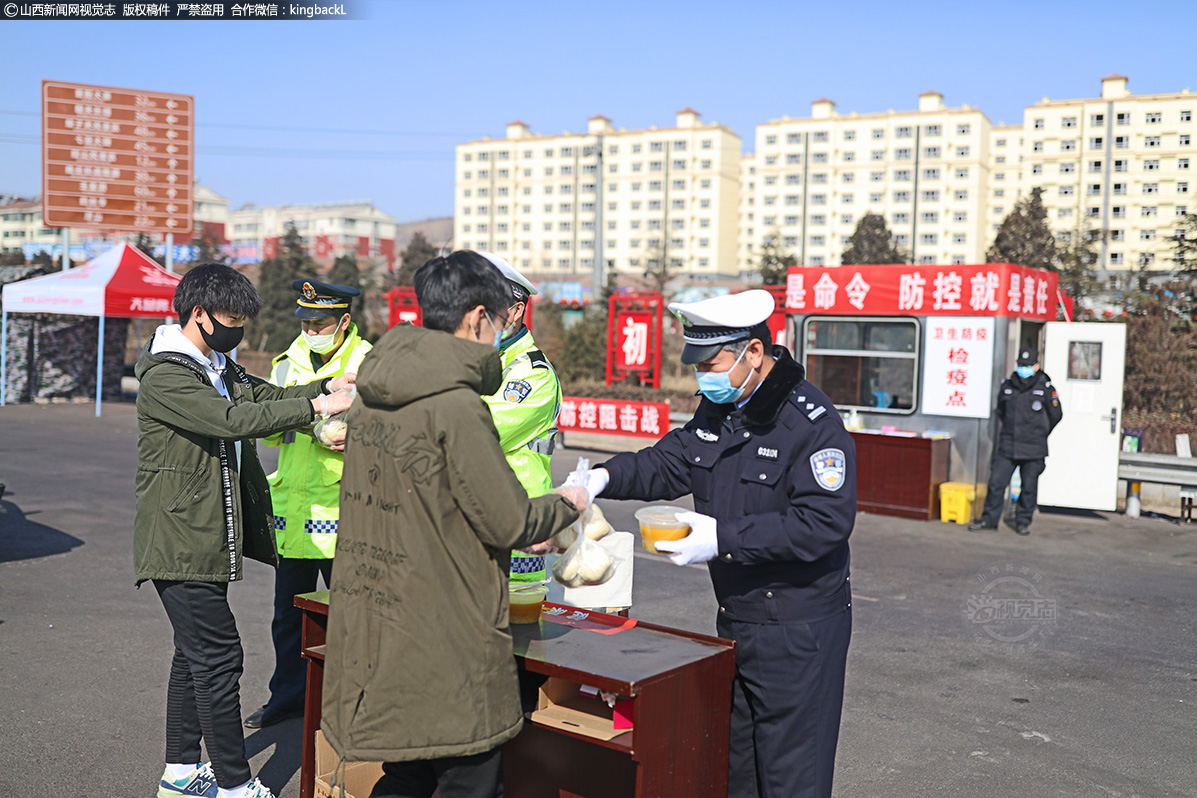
[[1163, 469]]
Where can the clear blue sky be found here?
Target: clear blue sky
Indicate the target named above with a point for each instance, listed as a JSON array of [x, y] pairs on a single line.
[[422, 75]]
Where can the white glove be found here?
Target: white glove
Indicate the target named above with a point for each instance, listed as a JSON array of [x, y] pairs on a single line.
[[595, 481], [701, 545]]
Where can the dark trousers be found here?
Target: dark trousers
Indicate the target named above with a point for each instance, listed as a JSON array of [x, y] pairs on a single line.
[[293, 576], [786, 702], [203, 699], [477, 776], [1000, 471]]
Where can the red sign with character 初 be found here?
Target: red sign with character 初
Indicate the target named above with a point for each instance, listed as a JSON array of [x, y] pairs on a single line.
[[614, 417], [634, 338], [989, 289]]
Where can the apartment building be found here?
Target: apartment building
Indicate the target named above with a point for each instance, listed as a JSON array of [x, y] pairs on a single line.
[[926, 171], [557, 205], [1120, 162], [330, 230], [1005, 177]]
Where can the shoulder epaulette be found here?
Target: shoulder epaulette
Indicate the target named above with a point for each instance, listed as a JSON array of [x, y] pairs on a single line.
[[537, 359], [812, 410]]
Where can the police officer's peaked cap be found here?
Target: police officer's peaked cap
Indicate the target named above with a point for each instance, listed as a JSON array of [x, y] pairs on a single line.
[[521, 286], [1028, 356], [319, 300], [713, 323]]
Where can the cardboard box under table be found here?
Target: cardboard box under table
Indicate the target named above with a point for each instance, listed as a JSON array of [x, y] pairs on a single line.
[[673, 689]]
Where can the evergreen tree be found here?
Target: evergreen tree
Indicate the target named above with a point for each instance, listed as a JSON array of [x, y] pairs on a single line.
[[872, 242], [1025, 237], [12, 257], [1184, 246], [276, 326], [145, 243], [775, 261], [1076, 262], [419, 251], [346, 272], [206, 246]]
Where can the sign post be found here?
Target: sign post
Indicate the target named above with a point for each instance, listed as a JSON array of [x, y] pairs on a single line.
[[117, 159], [634, 338]]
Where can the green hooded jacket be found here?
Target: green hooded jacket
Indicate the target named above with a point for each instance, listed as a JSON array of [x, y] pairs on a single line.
[[191, 524], [419, 661]]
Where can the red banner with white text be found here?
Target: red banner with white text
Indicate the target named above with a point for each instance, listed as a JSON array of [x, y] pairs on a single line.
[[989, 289], [614, 417]]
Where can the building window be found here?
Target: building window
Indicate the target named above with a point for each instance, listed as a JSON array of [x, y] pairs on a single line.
[[1037, 169], [904, 132], [1068, 121], [931, 174], [849, 177], [1122, 118], [901, 196], [1121, 142], [706, 144], [902, 174], [878, 133], [959, 238], [962, 152], [1151, 141], [934, 130], [1184, 140], [1186, 116], [818, 199], [847, 198], [820, 136], [866, 363], [1068, 145], [1038, 124], [1000, 176], [999, 193], [929, 238], [960, 194], [1067, 168], [931, 152], [1037, 146], [1155, 118], [999, 143], [818, 219], [963, 130], [819, 157], [846, 219], [1116, 258], [1151, 188], [819, 177], [931, 195], [962, 173], [849, 157], [1096, 119], [877, 155], [931, 217], [903, 154], [815, 241], [1096, 142], [1000, 159], [900, 217], [960, 216], [1182, 188], [849, 135], [875, 196]]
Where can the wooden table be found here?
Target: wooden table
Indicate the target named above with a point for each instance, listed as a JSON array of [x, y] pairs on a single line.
[[680, 683], [900, 475]]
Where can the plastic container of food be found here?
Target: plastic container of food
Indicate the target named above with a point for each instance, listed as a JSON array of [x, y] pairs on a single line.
[[660, 523], [526, 603]]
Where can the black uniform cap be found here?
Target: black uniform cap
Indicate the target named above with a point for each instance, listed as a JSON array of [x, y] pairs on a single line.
[[1028, 356], [319, 300]]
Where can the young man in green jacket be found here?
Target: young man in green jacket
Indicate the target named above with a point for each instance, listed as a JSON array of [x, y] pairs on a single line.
[[203, 504], [420, 672]]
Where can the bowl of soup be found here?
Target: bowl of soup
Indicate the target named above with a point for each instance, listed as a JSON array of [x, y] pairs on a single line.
[[660, 523]]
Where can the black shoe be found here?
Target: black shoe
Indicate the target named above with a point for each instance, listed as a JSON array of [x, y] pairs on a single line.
[[981, 526], [268, 716], [1023, 529]]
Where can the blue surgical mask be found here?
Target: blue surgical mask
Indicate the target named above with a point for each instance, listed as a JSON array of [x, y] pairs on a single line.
[[1026, 372], [716, 385], [498, 330]]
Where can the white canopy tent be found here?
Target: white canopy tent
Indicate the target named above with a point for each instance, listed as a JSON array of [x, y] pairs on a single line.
[[122, 283]]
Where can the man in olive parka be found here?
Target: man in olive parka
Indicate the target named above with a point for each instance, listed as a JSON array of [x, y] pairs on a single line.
[[420, 672]]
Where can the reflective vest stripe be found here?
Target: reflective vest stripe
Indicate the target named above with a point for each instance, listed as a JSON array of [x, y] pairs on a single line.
[[544, 445]]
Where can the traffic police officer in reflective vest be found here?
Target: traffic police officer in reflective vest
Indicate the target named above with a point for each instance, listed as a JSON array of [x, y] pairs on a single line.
[[525, 409], [773, 475], [305, 490]]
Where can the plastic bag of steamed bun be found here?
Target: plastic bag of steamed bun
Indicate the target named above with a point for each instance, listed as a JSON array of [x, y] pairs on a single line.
[[331, 430]]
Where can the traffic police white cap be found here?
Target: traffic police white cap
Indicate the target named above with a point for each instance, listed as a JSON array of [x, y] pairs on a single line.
[[522, 287], [712, 323]]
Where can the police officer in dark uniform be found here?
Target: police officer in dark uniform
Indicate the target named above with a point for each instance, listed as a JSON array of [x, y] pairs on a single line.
[[1028, 409], [773, 474]]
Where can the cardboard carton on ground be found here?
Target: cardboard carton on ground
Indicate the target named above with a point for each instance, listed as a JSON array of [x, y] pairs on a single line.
[[562, 706], [358, 778]]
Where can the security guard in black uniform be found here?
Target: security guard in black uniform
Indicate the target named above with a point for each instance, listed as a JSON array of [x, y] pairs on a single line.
[[1028, 409], [773, 474]]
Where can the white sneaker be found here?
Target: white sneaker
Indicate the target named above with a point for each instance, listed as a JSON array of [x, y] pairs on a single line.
[[199, 783], [255, 789]]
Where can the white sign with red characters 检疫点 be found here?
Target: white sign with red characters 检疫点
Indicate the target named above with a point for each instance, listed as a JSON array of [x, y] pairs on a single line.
[[958, 366], [988, 289]]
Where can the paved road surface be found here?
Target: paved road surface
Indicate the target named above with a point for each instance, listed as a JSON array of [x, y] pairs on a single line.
[[1100, 701]]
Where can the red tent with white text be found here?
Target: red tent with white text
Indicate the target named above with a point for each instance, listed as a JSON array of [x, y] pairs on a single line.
[[122, 283]]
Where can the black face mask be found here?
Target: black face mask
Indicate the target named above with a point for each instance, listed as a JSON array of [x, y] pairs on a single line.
[[222, 338]]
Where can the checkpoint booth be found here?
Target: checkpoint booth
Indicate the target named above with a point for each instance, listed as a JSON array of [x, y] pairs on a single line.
[[913, 355]]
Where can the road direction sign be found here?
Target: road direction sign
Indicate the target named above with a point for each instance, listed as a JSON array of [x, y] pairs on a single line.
[[117, 159]]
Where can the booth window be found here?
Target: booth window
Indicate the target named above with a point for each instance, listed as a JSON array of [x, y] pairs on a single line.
[[867, 363]]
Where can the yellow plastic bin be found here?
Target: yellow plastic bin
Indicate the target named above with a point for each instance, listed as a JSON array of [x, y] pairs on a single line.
[[956, 502]]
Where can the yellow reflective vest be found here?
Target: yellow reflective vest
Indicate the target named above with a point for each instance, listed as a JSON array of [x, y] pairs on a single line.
[[525, 413], [306, 488]]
